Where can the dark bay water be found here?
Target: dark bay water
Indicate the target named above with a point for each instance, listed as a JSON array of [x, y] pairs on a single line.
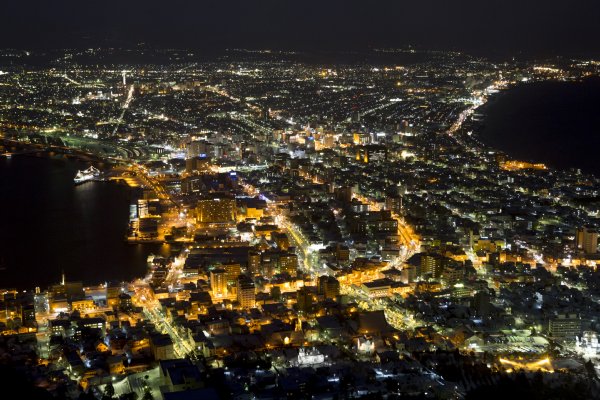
[[48, 225], [557, 123]]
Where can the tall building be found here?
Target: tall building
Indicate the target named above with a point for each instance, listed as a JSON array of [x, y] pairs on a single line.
[[254, 258], [288, 264], [587, 240], [198, 149], [481, 303], [142, 208], [268, 263], [328, 286], [218, 283], [432, 265], [409, 273], [246, 293], [344, 194], [216, 209], [232, 271], [113, 290], [305, 299], [565, 326]]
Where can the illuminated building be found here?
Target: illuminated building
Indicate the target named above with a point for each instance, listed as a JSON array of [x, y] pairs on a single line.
[[216, 209], [60, 327], [432, 265], [218, 283], [328, 286], [394, 203], [360, 138], [254, 261], [268, 263], [197, 164], [82, 305], [142, 208], [282, 241], [587, 240], [265, 230], [453, 274], [409, 273], [307, 357], [288, 263], [197, 148], [254, 213], [305, 299], [162, 347], [377, 288], [246, 293], [342, 253], [125, 301], [565, 326], [588, 343], [69, 290], [232, 271], [365, 345]]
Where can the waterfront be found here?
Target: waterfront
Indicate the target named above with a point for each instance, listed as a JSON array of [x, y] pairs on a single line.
[[50, 225], [556, 123]]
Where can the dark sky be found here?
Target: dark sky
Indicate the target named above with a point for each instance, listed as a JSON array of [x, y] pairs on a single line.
[[487, 26]]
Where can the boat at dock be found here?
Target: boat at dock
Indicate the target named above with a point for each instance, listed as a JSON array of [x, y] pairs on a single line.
[[86, 175]]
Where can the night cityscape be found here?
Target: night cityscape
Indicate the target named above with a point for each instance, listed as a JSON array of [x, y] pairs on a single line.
[[295, 217]]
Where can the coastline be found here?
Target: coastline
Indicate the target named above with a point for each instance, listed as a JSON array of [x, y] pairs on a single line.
[[68, 249], [506, 123]]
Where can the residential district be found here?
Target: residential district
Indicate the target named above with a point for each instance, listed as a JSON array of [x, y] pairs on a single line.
[[334, 230]]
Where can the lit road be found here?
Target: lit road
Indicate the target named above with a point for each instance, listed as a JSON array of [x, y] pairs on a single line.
[[153, 184], [143, 296], [125, 107], [410, 240]]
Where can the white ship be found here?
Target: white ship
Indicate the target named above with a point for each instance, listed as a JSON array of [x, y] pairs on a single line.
[[86, 175]]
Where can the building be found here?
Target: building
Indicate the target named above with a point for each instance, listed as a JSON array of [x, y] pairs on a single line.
[[232, 271], [566, 326], [308, 357], [281, 239], [125, 302], [288, 264], [216, 209], [409, 273], [218, 283], [305, 299], [246, 293], [254, 259], [377, 288], [142, 208], [179, 375], [147, 227], [83, 305], [587, 240], [113, 290], [68, 290], [328, 286], [197, 149], [481, 303], [453, 274], [432, 265], [162, 347]]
